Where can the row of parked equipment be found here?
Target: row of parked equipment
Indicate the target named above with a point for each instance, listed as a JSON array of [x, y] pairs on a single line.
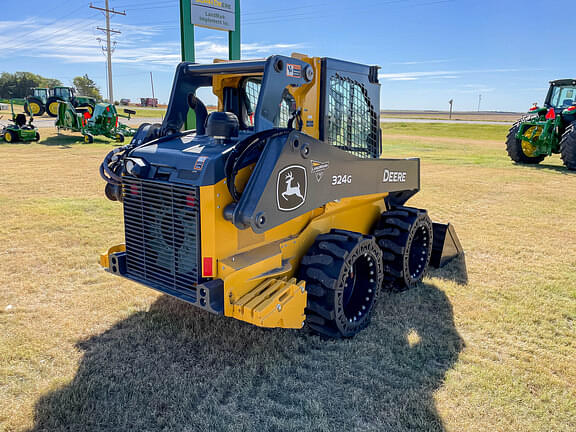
[[45, 100], [89, 120]]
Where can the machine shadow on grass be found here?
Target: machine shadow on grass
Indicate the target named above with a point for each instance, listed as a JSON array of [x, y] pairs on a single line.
[[65, 141], [179, 368], [546, 167]]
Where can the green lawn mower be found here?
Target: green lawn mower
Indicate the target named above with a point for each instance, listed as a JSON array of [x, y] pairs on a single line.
[[36, 104], [548, 129], [19, 130], [102, 121]]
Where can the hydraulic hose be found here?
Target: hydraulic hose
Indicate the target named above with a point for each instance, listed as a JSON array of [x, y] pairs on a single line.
[[242, 149]]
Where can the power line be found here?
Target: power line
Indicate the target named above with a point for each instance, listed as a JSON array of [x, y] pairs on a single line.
[[109, 47]]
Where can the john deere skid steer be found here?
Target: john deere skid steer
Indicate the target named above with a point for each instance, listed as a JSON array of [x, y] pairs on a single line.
[[277, 209]]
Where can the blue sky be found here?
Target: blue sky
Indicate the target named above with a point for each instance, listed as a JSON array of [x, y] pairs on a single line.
[[430, 51]]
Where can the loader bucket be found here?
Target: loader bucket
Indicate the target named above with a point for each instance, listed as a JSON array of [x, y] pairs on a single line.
[[446, 245]]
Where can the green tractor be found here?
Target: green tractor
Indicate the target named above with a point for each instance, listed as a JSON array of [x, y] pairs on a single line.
[[68, 94], [36, 104], [103, 120], [19, 129], [548, 129]]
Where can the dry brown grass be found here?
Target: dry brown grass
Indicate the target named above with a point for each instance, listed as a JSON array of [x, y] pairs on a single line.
[[83, 350]]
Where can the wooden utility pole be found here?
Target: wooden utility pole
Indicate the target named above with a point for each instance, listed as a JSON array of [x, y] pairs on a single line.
[[451, 102], [109, 48]]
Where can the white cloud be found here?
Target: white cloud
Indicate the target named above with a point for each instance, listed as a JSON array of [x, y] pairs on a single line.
[[420, 62], [76, 41], [408, 76]]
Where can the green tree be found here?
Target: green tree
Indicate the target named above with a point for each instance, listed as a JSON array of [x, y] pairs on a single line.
[[86, 87], [19, 84]]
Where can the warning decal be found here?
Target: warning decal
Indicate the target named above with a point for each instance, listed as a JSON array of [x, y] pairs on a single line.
[[293, 70]]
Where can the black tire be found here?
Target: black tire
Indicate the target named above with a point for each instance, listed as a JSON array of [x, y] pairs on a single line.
[[120, 137], [88, 138], [343, 274], [405, 235], [10, 136], [37, 104], [568, 147], [52, 109], [514, 148], [37, 137]]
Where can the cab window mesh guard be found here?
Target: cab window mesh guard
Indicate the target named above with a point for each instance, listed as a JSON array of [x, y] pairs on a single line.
[[352, 120]]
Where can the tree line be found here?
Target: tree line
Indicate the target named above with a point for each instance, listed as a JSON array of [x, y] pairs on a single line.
[[20, 84]]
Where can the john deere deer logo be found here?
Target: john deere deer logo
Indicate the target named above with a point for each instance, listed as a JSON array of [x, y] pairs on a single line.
[[291, 190], [291, 187]]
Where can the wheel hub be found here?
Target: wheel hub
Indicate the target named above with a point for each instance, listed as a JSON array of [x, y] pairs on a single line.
[[532, 133], [418, 252], [34, 108], [359, 288]]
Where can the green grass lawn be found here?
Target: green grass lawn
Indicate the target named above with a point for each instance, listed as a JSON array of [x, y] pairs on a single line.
[[145, 112], [453, 130], [486, 344]]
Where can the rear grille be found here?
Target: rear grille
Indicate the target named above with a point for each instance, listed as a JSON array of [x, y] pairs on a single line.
[[162, 223]]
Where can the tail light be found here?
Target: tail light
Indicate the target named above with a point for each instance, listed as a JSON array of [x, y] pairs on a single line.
[[207, 268]]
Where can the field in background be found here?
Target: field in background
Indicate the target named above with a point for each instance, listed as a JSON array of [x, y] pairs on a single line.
[[144, 112], [507, 117], [432, 115], [83, 350]]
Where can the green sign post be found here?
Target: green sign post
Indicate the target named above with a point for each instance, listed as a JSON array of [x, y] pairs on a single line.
[[221, 15]]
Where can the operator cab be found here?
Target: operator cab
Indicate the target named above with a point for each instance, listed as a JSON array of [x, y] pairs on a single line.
[[41, 93], [338, 106], [66, 93], [239, 97], [562, 95]]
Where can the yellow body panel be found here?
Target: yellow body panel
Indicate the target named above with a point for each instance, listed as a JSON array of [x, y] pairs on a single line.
[[307, 97], [105, 257], [273, 303]]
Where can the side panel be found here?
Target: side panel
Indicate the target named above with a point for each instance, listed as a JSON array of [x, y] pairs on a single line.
[[298, 174]]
